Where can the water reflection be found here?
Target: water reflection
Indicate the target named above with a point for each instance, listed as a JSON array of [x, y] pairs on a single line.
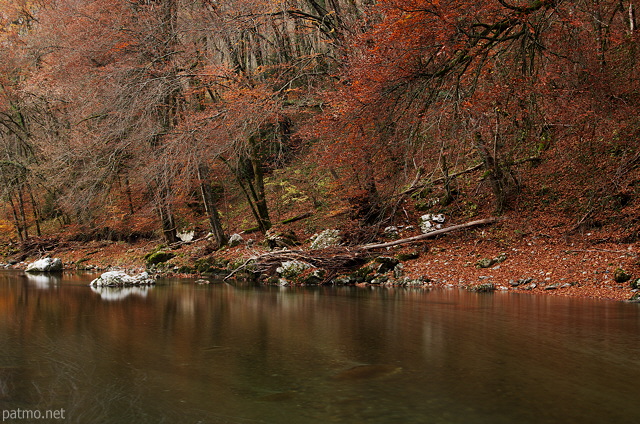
[[119, 293], [218, 353], [43, 281]]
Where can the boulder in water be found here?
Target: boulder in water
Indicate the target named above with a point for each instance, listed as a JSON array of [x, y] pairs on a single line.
[[45, 265], [121, 279]]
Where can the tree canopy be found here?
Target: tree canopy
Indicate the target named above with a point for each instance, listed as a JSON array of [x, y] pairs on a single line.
[[126, 118]]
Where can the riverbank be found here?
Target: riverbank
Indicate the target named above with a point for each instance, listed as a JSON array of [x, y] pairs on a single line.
[[506, 256]]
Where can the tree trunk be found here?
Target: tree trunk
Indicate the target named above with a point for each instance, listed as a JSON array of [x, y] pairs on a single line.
[[210, 206], [497, 179], [36, 213], [257, 187], [23, 215], [168, 224], [15, 218]]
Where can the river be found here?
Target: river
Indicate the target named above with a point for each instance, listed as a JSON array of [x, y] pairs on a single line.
[[180, 352]]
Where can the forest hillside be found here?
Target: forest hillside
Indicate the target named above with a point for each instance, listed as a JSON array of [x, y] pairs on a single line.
[[128, 121]]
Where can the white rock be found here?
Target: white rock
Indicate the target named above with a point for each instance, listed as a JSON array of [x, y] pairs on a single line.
[[325, 239], [120, 278], [186, 236], [425, 226], [438, 218], [45, 265], [426, 222], [235, 240], [291, 269]]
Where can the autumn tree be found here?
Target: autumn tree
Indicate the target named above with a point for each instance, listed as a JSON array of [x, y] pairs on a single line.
[[428, 83], [20, 116]]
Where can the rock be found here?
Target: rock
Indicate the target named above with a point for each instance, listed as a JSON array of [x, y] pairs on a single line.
[[158, 257], [45, 265], [552, 286], [122, 279], [635, 284], [426, 227], [292, 269], [185, 236], [362, 275], [315, 277], [327, 238], [386, 264], [439, 218], [485, 263], [391, 232], [500, 258], [343, 280], [426, 222], [621, 276], [482, 288], [409, 256], [235, 240], [635, 298], [398, 271], [380, 279]]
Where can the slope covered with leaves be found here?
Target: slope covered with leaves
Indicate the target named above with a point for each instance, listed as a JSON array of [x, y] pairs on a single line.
[[123, 121]]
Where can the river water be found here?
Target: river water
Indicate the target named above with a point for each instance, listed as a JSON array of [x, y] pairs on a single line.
[[186, 353]]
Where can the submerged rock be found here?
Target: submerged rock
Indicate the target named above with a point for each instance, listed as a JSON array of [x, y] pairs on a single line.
[[45, 265], [121, 279]]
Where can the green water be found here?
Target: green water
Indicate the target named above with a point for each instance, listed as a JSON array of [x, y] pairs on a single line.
[[186, 353]]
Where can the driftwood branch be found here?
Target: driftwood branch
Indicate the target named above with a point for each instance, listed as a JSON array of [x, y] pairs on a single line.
[[339, 259], [428, 235]]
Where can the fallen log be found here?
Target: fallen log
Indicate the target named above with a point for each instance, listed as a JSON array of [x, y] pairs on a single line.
[[333, 260], [428, 235], [339, 259]]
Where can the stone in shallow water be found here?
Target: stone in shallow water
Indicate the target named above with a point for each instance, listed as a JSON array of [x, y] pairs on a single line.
[[120, 278], [45, 265]]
